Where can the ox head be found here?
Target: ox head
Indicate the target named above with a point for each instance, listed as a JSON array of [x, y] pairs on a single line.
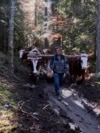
[[34, 52], [34, 57], [84, 59]]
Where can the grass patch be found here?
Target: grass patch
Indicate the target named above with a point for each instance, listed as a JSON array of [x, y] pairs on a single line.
[[8, 118], [97, 76], [98, 83], [6, 97]]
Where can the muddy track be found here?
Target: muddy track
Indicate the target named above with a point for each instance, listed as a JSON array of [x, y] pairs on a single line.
[[76, 108]]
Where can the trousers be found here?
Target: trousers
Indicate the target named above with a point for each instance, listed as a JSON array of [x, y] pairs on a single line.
[[58, 79]]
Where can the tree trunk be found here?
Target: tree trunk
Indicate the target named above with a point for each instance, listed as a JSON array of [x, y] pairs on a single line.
[[36, 19], [11, 35], [98, 40]]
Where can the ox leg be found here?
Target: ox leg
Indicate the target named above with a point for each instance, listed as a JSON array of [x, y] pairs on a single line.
[[73, 78], [83, 75], [80, 79]]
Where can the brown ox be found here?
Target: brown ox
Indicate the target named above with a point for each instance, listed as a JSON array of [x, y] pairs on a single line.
[[77, 67]]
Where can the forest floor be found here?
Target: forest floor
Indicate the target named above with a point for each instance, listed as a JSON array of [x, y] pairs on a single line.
[[29, 108]]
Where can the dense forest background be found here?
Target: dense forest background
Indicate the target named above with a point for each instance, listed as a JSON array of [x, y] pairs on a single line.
[[72, 22]]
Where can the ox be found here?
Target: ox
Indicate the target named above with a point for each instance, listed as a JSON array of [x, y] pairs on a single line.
[[77, 67], [38, 60], [44, 69], [30, 56]]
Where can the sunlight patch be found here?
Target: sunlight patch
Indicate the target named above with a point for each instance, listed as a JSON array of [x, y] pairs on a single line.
[[78, 103], [66, 93]]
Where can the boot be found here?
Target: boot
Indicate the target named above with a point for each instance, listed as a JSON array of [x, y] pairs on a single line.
[[58, 93]]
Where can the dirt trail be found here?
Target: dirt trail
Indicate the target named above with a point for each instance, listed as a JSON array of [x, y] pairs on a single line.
[[75, 108], [24, 107]]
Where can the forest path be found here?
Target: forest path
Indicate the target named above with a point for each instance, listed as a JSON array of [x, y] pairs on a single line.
[[76, 108]]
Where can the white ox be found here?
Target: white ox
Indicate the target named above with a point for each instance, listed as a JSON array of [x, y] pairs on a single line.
[[35, 55], [38, 67]]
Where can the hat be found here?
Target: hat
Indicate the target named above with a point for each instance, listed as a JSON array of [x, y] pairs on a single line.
[[57, 47]]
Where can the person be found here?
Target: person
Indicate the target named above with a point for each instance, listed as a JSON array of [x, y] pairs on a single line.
[[59, 65]]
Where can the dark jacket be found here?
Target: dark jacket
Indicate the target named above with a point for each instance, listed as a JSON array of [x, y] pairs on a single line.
[[59, 64]]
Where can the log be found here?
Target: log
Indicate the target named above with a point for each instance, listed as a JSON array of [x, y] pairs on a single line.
[[50, 55]]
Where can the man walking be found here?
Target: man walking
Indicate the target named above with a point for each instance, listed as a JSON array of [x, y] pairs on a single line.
[[59, 65]]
